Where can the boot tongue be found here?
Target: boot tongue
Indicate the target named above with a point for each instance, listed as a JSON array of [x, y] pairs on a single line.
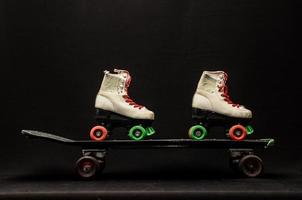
[[221, 78], [216, 75], [123, 73], [127, 80], [126, 77]]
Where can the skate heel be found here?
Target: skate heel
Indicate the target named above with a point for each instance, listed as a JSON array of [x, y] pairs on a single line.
[[103, 102]]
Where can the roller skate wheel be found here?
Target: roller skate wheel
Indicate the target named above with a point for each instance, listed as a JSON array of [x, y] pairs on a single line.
[[197, 132], [98, 133], [237, 132], [137, 132]]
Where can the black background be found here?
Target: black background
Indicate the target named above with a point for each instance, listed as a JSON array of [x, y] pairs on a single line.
[[54, 54]]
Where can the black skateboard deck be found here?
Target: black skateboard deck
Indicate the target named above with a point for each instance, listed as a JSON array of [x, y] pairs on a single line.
[[153, 143]]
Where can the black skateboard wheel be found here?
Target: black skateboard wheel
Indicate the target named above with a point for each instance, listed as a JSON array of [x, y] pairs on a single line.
[[87, 166], [251, 166]]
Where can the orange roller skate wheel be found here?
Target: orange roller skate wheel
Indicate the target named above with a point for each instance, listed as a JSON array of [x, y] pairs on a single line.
[[98, 133], [237, 132]]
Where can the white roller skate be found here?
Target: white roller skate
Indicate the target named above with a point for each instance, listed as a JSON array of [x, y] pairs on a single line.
[[116, 109], [212, 106]]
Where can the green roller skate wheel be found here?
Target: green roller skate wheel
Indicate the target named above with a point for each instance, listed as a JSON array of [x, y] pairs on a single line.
[[137, 133], [197, 132], [249, 129]]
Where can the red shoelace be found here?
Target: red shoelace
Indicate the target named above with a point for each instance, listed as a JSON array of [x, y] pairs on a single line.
[[127, 97], [131, 102], [224, 89]]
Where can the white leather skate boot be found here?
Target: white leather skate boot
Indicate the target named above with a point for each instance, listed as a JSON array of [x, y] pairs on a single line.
[[212, 105], [113, 96], [212, 95], [116, 108]]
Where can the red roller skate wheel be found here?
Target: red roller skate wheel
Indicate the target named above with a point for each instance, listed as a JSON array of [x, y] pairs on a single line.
[[237, 132], [98, 133]]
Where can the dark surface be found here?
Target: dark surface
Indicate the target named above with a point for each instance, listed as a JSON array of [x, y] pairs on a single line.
[[150, 188], [172, 182], [52, 57]]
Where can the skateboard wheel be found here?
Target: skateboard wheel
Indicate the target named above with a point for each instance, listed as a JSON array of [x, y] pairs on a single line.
[[237, 132], [197, 132], [87, 166], [98, 133], [137, 133], [251, 166]]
